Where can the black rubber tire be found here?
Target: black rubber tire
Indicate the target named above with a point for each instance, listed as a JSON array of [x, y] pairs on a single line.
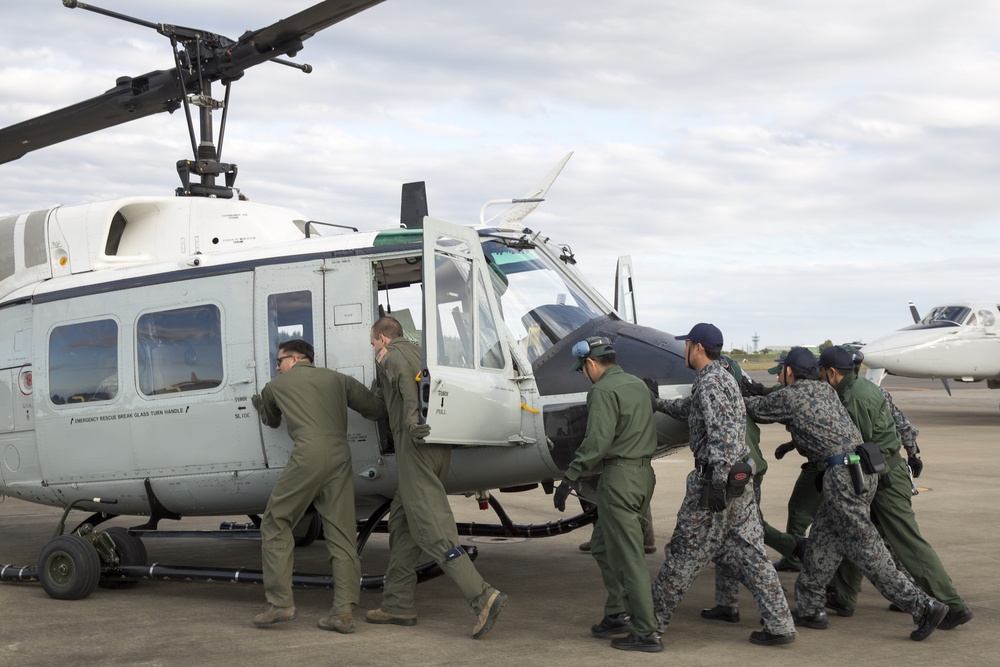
[[131, 551], [69, 568]]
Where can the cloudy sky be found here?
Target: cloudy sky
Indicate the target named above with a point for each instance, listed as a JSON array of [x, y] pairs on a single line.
[[792, 168]]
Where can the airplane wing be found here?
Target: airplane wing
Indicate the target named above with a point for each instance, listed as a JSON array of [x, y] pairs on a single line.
[[154, 92]]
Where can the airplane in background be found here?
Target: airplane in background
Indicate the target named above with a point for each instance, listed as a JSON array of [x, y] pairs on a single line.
[[959, 341]]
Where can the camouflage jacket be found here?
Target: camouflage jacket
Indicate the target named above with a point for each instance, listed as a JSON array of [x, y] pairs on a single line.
[[817, 420], [716, 420]]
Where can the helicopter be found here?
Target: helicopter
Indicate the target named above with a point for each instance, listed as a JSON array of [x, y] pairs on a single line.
[[134, 331]]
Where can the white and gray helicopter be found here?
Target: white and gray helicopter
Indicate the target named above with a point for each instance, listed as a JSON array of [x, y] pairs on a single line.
[[133, 333], [958, 341]]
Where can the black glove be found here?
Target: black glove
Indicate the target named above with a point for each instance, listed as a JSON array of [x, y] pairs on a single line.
[[716, 497], [916, 465], [653, 385], [418, 432], [257, 401], [750, 388], [561, 494], [781, 450]]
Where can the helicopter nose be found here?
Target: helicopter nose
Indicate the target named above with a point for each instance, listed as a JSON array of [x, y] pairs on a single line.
[[641, 351]]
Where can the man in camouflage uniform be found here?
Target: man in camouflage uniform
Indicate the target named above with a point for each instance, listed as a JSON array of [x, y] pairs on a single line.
[[621, 435], [727, 587], [822, 429], [714, 523], [892, 507], [420, 518], [314, 403]]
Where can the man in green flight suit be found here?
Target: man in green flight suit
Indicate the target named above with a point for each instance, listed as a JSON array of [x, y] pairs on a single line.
[[420, 518], [314, 403], [892, 507], [621, 435]]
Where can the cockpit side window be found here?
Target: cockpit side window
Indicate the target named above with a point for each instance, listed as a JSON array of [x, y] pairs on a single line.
[[289, 316], [83, 362]]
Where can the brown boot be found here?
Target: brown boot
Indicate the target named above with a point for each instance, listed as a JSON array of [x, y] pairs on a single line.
[[273, 615], [488, 616], [379, 616], [342, 623]]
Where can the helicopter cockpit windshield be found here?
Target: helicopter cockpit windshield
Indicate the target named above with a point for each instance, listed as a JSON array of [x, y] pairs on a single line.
[[541, 304]]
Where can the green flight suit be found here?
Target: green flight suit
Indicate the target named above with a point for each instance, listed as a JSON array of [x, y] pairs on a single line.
[[314, 403], [892, 508], [621, 435], [420, 518]]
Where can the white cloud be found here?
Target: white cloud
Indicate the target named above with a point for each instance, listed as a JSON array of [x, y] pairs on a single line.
[[798, 169]]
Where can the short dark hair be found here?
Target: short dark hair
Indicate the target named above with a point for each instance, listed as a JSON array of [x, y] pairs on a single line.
[[298, 346], [713, 355], [388, 327], [606, 360], [811, 374]]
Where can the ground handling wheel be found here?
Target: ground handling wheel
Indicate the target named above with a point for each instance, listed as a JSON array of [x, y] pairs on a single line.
[[69, 568], [130, 551]]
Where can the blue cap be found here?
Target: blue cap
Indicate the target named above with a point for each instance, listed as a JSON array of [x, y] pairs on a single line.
[[800, 360], [595, 346], [707, 334], [836, 357]]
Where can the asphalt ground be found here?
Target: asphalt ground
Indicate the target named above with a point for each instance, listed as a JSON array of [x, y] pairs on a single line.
[[555, 590]]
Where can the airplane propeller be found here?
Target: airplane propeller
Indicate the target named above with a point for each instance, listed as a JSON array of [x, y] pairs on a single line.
[[916, 320]]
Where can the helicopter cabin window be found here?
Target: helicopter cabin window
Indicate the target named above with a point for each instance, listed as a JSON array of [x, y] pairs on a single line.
[[179, 350], [83, 362], [462, 341], [289, 316]]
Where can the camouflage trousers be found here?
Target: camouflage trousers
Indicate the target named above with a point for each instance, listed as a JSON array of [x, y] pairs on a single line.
[[843, 529], [732, 539]]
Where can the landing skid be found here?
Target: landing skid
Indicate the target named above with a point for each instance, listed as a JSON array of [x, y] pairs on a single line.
[[72, 565]]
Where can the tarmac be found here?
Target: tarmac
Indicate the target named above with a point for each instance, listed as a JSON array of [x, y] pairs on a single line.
[[555, 590]]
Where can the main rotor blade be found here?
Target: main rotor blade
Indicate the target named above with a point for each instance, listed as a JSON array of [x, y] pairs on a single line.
[[132, 99], [154, 92]]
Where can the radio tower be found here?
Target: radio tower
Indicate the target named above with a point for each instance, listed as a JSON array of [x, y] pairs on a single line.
[[755, 339]]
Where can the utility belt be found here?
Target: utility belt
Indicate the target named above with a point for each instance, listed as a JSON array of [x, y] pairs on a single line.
[[866, 459], [622, 461], [706, 470], [740, 475]]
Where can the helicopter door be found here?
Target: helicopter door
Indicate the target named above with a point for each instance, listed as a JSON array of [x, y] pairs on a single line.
[[288, 303], [469, 389], [624, 291]]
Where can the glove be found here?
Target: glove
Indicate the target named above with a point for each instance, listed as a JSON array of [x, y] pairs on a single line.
[[716, 497], [561, 494], [781, 450], [653, 385], [257, 402], [916, 465], [418, 432], [750, 388]]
